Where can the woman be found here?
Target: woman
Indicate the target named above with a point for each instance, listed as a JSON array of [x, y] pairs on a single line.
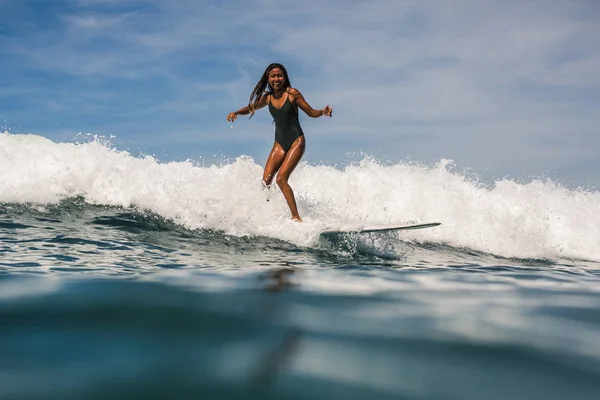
[[274, 89]]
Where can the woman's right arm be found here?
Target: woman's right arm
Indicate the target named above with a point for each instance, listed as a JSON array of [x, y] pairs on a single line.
[[248, 109]]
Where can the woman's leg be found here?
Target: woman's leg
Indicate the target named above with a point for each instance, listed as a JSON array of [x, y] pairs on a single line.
[[274, 161], [292, 158]]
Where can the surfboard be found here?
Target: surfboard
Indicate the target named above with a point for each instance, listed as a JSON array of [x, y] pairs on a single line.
[[379, 228]]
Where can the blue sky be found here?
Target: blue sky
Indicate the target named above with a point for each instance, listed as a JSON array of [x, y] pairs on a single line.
[[502, 87]]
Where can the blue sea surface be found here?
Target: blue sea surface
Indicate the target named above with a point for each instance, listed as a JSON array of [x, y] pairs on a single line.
[[100, 302]]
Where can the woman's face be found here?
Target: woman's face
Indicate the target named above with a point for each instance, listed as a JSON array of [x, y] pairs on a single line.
[[276, 78]]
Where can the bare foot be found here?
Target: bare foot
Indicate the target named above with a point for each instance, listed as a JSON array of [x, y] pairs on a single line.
[[297, 219]]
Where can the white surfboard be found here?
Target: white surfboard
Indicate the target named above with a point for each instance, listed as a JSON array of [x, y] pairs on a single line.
[[378, 228]]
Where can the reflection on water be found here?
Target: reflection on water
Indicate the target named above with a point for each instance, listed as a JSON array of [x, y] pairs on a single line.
[[278, 280], [276, 359]]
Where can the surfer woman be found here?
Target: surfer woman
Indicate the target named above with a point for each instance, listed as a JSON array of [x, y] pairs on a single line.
[[274, 89]]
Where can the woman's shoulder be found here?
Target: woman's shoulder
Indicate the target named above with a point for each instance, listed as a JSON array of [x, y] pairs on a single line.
[[293, 91]]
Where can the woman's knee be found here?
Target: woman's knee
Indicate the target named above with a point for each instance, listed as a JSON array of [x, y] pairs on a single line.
[[281, 180]]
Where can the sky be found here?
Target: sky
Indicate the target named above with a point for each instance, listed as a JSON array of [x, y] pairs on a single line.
[[504, 88]]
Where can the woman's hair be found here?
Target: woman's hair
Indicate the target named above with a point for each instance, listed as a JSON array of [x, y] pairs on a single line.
[[263, 86]]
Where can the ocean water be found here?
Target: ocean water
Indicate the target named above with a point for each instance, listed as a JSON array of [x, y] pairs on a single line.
[[126, 277]]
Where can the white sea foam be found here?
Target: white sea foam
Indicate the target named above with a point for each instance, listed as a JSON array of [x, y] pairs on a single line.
[[510, 219]]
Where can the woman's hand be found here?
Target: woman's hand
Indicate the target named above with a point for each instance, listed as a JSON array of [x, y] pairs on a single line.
[[327, 111], [232, 116]]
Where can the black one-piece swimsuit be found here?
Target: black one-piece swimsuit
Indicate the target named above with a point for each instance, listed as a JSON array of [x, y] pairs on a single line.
[[287, 125]]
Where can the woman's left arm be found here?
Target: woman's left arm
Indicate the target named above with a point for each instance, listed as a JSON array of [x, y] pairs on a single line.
[[299, 100]]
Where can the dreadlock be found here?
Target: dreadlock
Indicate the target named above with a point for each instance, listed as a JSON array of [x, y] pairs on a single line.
[[263, 86]]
